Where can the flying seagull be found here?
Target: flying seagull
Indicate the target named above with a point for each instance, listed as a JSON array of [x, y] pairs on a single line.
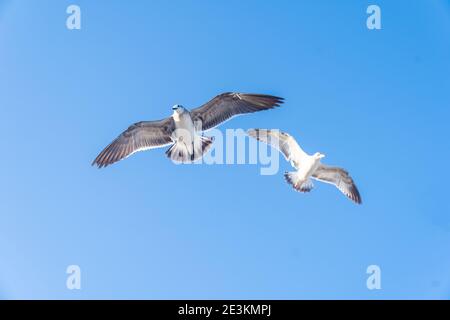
[[307, 166], [182, 131]]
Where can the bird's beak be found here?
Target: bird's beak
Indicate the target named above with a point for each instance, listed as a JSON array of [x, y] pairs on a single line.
[[322, 156], [174, 108]]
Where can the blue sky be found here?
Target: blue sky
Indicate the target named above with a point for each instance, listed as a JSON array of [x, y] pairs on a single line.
[[375, 102]]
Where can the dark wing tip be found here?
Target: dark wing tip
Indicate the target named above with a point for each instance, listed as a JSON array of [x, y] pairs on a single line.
[[263, 100], [94, 163], [97, 161], [350, 189], [109, 155], [355, 195], [100, 162]]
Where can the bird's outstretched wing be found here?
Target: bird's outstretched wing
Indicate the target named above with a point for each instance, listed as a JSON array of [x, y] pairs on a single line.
[[228, 105], [138, 137], [281, 141], [340, 178]]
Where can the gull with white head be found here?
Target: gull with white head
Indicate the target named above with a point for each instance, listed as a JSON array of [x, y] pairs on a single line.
[[307, 166], [183, 130]]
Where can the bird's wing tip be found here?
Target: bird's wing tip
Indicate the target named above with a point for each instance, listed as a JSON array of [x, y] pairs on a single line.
[[97, 164]]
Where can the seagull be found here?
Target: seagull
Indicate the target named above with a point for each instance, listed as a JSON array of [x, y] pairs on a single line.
[[183, 130], [307, 166]]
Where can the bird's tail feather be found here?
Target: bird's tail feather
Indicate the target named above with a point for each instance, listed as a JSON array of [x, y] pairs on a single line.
[[298, 184], [181, 152], [201, 146]]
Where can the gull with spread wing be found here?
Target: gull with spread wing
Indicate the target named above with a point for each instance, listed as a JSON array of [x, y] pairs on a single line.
[[307, 166], [182, 131]]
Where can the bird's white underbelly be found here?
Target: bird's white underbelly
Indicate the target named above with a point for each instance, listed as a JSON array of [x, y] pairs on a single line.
[[307, 169], [184, 129]]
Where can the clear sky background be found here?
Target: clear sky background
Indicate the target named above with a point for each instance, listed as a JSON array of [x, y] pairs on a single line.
[[375, 102]]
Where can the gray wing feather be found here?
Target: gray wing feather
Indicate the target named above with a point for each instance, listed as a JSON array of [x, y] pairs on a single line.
[[281, 141], [138, 137], [341, 179], [228, 105]]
